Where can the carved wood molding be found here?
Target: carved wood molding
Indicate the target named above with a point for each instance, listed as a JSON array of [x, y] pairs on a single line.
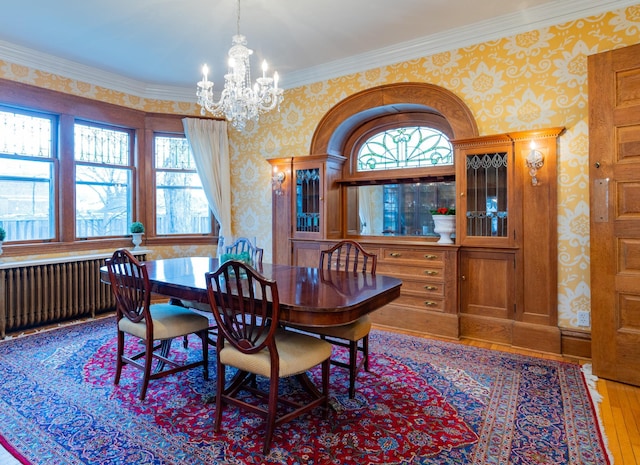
[[340, 121]]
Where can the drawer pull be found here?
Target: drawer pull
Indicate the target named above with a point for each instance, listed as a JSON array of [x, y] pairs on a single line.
[[395, 254], [428, 303], [430, 272], [431, 288], [430, 257]]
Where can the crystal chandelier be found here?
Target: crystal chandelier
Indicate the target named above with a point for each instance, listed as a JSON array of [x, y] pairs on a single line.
[[239, 101]]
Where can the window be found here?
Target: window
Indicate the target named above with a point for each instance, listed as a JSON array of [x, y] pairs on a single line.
[[75, 173], [405, 147], [104, 175], [181, 205], [28, 161]]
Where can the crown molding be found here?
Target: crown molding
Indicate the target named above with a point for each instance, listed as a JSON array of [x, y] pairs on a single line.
[[79, 72], [546, 15], [492, 29]]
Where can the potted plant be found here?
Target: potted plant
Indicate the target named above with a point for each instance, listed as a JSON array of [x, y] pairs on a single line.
[[137, 229], [3, 235], [444, 220]]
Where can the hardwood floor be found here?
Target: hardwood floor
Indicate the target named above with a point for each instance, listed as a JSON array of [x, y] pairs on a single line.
[[619, 409]]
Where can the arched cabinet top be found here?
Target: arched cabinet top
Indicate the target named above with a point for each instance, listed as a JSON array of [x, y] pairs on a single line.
[[344, 117]]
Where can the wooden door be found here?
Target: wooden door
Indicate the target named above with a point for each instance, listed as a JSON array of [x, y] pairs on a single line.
[[614, 174]]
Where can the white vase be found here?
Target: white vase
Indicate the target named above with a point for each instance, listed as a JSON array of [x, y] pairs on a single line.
[[445, 225], [136, 238]]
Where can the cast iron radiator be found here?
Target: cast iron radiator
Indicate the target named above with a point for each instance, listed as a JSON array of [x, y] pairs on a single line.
[[40, 293]]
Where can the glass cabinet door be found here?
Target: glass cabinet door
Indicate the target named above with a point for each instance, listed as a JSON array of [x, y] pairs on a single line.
[[307, 200], [486, 216], [487, 205]]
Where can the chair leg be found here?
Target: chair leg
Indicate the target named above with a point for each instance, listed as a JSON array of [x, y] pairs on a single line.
[[120, 353], [365, 351], [271, 413], [326, 370], [353, 367], [148, 362], [219, 403], [205, 353]]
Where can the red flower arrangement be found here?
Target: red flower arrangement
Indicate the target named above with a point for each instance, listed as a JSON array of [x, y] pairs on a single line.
[[444, 211]]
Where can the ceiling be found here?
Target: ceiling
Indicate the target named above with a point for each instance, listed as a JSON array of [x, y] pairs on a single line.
[[156, 48]]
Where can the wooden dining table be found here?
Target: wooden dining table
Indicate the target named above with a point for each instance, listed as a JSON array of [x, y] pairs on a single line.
[[308, 296]]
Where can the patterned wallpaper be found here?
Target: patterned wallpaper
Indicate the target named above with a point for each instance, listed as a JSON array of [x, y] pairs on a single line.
[[531, 80]]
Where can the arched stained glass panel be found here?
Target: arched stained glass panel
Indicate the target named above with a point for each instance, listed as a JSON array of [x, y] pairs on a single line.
[[405, 147]]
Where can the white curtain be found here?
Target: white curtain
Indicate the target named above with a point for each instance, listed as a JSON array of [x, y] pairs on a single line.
[[210, 148], [367, 209]]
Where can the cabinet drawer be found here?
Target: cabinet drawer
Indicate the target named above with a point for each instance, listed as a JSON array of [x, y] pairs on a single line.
[[435, 271], [429, 287], [421, 302], [390, 254]]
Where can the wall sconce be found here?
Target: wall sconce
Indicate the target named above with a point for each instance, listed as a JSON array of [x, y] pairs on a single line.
[[276, 181], [534, 161]]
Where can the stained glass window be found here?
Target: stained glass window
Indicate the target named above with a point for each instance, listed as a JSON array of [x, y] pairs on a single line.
[[405, 147]]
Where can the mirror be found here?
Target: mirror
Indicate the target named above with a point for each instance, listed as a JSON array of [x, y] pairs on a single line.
[[397, 209]]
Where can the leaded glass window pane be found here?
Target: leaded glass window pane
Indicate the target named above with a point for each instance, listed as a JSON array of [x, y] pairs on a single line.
[[487, 209], [308, 200], [100, 145], [406, 147]]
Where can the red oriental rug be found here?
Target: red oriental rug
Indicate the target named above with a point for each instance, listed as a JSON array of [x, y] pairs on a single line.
[[424, 402]]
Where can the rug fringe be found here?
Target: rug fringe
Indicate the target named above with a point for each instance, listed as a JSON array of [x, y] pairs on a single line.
[[596, 399]]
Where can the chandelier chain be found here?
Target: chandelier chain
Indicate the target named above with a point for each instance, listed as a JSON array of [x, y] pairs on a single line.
[[238, 19]]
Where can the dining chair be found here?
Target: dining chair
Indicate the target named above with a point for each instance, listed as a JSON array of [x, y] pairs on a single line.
[[246, 307], [240, 247], [244, 245], [348, 255], [161, 322]]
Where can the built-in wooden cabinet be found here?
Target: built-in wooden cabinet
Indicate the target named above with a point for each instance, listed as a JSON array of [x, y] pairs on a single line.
[[497, 282], [307, 207], [428, 297], [508, 239]]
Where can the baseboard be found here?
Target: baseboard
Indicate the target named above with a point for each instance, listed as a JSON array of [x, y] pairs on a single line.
[[419, 321], [537, 337], [576, 343]]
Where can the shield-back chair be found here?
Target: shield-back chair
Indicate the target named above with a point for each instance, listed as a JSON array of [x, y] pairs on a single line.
[[350, 256], [160, 322], [246, 307]]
